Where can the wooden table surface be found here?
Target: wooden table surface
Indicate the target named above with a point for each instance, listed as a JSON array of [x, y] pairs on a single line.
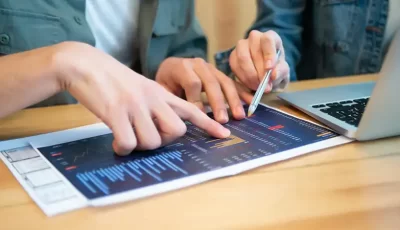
[[354, 186]]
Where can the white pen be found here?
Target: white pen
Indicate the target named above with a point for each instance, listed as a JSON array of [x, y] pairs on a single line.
[[261, 88]]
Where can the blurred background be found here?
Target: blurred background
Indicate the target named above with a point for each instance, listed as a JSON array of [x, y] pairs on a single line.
[[224, 22]]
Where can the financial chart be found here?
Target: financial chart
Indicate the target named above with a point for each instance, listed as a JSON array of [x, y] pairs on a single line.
[[96, 171]]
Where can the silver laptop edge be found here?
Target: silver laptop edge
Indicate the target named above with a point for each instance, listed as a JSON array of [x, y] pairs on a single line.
[[382, 113]]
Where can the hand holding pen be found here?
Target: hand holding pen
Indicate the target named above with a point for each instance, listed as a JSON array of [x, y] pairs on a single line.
[[261, 88], [254, 56]]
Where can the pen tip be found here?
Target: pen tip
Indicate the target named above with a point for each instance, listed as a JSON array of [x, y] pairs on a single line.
[[251, 110]]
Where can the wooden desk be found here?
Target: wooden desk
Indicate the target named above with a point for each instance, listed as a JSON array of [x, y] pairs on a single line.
[[355, 186]]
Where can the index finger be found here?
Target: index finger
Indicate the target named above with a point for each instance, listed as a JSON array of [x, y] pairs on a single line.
[[194, 115], [270, 43]]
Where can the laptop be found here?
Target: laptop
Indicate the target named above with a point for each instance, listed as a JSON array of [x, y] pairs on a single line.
[[362, 111]]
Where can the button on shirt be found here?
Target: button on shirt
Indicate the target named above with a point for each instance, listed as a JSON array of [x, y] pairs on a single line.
[[4, 39]]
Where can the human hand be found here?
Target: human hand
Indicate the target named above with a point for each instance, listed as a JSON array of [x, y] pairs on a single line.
[[254, 56], [188, 77], [123, 99]]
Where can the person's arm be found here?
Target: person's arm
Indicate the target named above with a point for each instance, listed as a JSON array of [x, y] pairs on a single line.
[[27, 78], [120, 97]]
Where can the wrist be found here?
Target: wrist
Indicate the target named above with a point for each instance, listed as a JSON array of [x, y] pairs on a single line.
[[63, 63]]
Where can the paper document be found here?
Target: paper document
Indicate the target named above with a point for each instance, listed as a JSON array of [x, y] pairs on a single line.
[[77, 168]]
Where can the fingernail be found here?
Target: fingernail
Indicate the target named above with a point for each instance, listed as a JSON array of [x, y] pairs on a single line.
[[240, 111], [268, 64], [223, 117], [225, 132]]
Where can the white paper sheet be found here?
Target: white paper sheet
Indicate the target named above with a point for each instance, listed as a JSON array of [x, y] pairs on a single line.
[[54, 194], [51, 192]]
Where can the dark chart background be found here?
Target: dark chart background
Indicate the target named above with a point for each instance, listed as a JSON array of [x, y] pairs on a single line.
[[93, 168]]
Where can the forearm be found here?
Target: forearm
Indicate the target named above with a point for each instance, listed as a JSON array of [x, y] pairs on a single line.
[[27, 78]]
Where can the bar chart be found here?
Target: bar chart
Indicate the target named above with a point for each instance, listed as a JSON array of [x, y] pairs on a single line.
[[96, 180]]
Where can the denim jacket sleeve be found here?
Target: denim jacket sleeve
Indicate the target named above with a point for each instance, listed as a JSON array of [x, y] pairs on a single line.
[[285, 18]]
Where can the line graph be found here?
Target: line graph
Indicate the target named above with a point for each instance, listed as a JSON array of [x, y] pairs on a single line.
[[96, 150], [81, 156]]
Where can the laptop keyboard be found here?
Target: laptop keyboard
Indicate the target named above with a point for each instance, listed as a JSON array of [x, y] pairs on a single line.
[[349, 111]]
